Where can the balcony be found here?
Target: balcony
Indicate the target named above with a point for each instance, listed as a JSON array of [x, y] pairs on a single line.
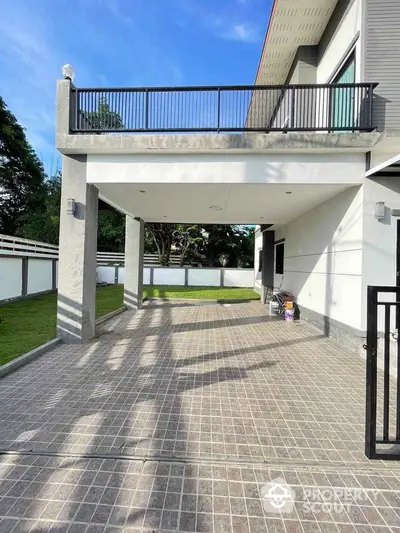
[[344, 108]]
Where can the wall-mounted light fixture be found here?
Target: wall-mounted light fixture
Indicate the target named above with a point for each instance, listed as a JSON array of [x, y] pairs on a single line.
[[68, 72], [71, 206], [379, 210]]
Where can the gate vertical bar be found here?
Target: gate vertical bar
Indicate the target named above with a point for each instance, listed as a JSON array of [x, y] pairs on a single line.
[[398, 367], [386, 375], [371, 373]]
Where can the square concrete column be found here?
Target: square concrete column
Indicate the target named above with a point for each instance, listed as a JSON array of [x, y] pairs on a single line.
[[267, 273], [134, 252], [76, 306]]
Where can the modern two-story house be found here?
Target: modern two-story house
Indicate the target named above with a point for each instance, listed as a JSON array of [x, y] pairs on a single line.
[[323, 52], [308, 153]]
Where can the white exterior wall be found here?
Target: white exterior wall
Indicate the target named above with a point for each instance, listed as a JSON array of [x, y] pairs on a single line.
[[40, 275], [350, 26], [258, 244], [10, 278], [306, 168], [380, 239], [323, 258]]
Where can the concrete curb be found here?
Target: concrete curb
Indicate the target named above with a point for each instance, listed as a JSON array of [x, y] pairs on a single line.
[[27, 357], [200, 300], [104, 318]]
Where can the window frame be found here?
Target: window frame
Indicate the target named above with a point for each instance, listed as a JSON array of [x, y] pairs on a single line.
[[280, 266]]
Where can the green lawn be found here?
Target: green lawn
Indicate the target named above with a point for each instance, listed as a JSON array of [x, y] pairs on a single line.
[[201, 293], [29, 323]]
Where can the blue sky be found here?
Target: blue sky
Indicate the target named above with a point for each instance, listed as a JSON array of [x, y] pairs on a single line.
[[114, 43]]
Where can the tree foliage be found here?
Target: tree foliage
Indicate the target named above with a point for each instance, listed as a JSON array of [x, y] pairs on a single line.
[[162, 236], [213, 245], [185, 240], [104, 118], [229, 245], [22, 178], [111, 229], [44, 224]]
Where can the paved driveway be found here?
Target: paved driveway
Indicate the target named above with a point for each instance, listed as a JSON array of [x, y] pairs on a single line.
[[200, 381], [175, 416]]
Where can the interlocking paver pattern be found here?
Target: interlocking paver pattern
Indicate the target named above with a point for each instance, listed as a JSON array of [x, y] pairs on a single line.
[[186, 411]]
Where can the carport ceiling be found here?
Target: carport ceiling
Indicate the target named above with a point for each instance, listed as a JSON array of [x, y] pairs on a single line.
[[217, 203]]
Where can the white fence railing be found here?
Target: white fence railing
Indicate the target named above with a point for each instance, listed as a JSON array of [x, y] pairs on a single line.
[[30, 267], [15, 246]]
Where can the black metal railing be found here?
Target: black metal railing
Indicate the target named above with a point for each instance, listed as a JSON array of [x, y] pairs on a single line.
[[347, 107], [382, 420]]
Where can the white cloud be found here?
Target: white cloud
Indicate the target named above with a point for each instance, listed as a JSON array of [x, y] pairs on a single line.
[[233, 23], [242, 32]]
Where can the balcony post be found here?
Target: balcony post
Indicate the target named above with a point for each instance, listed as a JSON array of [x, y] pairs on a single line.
[[293, 109], [147, 111], [371, 105], [219, 109]]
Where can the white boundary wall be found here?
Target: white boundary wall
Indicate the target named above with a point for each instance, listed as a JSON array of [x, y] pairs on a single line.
[[20, 276], [30, 267], [40, 275], [205, 277], [10, 277], [184, 276]]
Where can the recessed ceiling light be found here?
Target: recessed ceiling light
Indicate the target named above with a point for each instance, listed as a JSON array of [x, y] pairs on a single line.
[[216, 207], [261, 217], [141, 190], [288, 192]]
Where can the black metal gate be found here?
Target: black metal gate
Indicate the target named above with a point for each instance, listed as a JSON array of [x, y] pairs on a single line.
[[382, 421]]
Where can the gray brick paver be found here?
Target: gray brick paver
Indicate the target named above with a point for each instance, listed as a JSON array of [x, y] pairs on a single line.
[[205, 384]]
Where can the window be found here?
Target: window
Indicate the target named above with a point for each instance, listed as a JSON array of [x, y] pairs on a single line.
[[260, 260], [343, 98], [279, 258]]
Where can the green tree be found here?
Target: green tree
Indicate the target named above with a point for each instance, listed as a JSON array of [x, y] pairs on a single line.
[[111, 229], [212, 244], [104, 118], [185, 240], [22, 178], [162, 235], [245, 247], [229, 245], [44, 225], [188, 241]]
